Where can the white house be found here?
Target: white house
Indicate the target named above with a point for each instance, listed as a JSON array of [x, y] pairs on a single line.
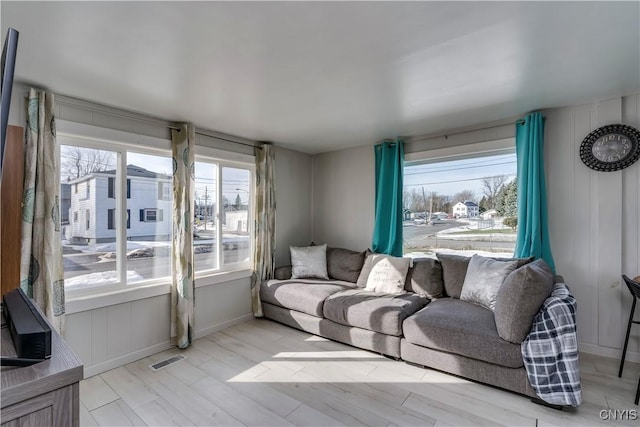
[[92, 215], [466, 209], [491, 213]]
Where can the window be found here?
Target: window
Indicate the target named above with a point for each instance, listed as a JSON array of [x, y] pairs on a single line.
[[164, 191], [112, 248], [151, 215], [88, 188], [116, 240], [111, 219], [222, 223], [462, 204]]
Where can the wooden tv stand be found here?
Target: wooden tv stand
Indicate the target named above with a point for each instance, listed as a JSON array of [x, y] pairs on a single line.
[[44, 394]]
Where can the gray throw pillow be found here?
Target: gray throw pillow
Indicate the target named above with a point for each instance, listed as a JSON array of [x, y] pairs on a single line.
[[454, 270], [309, 262], [425, 278], [344, 264], [282, 273], [483, 280], [520, 298]]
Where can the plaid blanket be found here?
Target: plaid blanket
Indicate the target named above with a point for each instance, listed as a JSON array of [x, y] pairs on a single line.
[[550, 351]]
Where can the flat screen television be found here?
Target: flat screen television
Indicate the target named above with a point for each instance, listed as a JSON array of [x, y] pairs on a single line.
[[8, 66]]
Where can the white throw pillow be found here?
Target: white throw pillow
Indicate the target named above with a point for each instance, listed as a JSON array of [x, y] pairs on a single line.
[[483, 280], [387, 274], [309, 262]]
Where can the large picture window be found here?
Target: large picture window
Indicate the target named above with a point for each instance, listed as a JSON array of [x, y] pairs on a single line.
[[461, 204], [121, 229]]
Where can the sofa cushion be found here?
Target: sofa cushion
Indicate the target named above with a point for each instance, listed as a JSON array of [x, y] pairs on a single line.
[[309, 262], [373, 311], [305, 295], [425, 278], [519, 299], [454, 270], [344, 264], [483, 279], [459, 327]]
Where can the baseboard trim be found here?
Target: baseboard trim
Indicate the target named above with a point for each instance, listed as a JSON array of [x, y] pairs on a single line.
[[90, 371], [613, 353], [220, 326]]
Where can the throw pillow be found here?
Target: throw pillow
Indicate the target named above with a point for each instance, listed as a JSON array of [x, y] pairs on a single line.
[[309, 262], [366, 269], [520, 298], [388, 274], [454, 270], [282, 273], [483, 280], [344, 264], [425, 278]]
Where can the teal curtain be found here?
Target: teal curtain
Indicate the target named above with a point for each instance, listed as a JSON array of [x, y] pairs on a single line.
[[387, 232], [533, 231], [265, 224], [183, 285], [41, 267]]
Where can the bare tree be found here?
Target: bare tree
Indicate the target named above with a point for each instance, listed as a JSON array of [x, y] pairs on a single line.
[[491, 186], [463, 196], [79, 161]]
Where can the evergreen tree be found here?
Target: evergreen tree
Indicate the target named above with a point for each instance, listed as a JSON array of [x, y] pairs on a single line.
[[507, 200]]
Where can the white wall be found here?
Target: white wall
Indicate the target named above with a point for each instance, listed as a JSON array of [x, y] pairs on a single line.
[[108, 337], [293, 202], [343, 197], [593, 216]]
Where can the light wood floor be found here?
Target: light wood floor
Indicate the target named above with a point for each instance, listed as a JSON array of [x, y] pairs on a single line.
[[261, 373]]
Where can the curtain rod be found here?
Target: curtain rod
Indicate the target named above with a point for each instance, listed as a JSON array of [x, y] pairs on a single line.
[[218, 137], [447, 135], [146, 120]]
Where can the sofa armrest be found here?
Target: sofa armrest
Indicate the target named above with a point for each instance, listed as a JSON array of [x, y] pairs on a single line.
[[282, 272]]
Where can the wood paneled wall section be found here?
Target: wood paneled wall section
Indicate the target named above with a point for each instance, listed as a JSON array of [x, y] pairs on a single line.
[[11, 209], [594, 221]]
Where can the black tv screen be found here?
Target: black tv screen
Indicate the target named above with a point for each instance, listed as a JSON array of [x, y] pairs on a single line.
[[8, 66]]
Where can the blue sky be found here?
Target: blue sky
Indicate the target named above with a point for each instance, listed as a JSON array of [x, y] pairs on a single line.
[[453, 176]]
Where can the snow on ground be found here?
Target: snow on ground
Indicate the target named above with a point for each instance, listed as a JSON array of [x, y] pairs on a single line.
[[98, 279]]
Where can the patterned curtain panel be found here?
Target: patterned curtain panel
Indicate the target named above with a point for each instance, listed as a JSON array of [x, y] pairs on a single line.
[[265, 224], [533, 229], [41, 268], [387, 231], [182, 289]]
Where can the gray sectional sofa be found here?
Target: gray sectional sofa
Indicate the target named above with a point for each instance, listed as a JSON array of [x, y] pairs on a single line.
[[429, 325]]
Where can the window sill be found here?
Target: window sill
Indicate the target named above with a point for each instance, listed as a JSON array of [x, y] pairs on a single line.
[[77, 304]]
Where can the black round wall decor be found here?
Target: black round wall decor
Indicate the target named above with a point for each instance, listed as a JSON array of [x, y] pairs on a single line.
[[611, 148]]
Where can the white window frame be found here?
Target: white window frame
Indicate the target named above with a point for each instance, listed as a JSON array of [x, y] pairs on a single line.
[[78, 134], [211, 156]]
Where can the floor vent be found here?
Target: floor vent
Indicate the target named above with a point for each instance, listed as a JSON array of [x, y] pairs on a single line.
[[164, 363]]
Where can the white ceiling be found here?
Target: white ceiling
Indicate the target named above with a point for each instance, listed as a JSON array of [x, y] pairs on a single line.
[[326, 75]]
